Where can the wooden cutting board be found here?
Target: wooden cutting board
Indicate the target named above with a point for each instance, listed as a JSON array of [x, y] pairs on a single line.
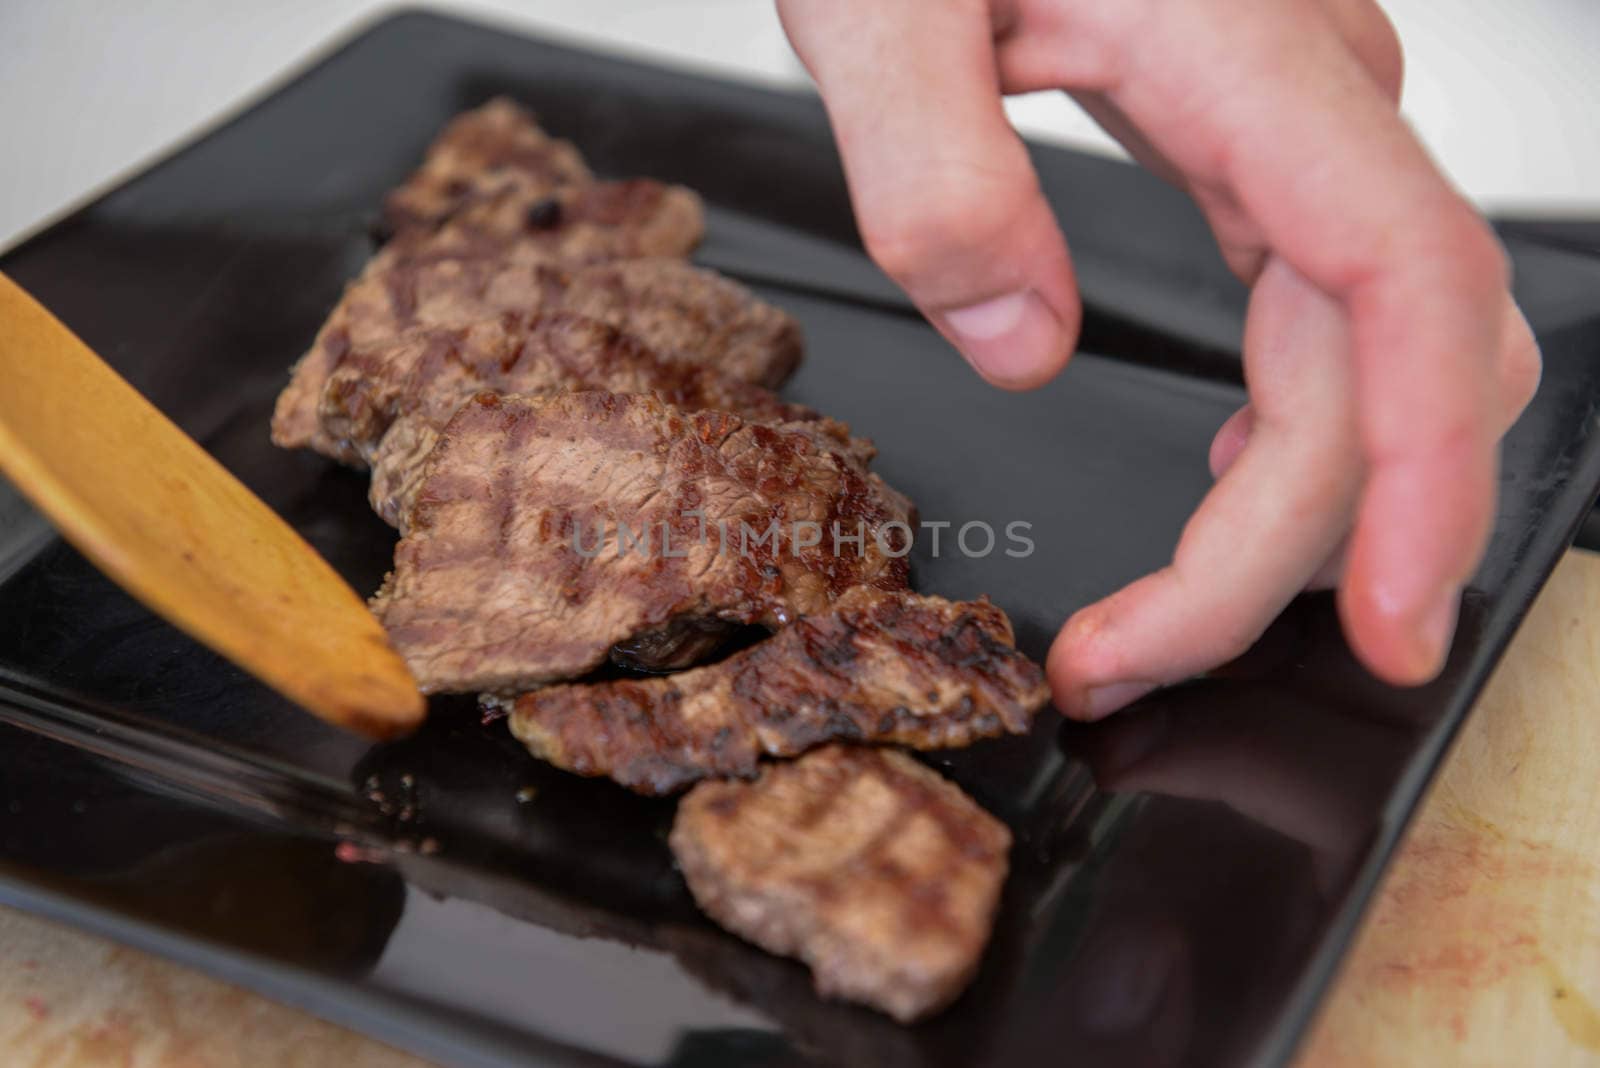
[[1484, 945], [1483, 948]]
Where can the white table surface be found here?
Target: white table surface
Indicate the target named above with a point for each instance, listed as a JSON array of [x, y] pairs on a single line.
[[1506, 93]]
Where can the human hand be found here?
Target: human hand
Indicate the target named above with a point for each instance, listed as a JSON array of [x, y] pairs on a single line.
[[1384, 355]]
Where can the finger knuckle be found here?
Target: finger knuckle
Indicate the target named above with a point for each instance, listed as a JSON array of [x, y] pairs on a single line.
[[899, 246], [1471, 251], [1451, 245], [1371, 37], [1524, 366], [1523, 384], [951, 218], [1381, 51]]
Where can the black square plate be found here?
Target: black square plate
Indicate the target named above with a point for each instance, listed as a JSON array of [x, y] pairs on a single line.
[[1186, 876]]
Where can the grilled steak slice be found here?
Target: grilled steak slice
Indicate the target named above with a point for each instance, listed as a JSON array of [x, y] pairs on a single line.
[[876, 667], [572, 224], [432, 370], [516, 569], [494, 176], [872, 869], [690, 314], [399, 463], [491, 141], [385, 403]]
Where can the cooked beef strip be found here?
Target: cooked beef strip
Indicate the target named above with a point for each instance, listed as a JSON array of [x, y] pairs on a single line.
[[382, 402], [678, 310], [501, 582], [572, 224], [493, 176], [876, 872], [875, 667], [399, 464], [690, 313], [497, 139], [432, 370]]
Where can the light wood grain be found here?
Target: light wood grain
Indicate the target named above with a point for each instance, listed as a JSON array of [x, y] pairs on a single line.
[[1484, 945], [1483, 948], [70, 1000], [154, 511]]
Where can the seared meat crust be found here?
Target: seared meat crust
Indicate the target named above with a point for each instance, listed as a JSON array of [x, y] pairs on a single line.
[[515, 570], [876, 667], [499, 218], [680, 311], [492, 141], [386, 404], [876, 872], [573, 224], [494, 176]]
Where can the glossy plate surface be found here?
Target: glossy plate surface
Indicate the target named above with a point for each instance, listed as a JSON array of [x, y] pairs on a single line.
[[1186, 875]]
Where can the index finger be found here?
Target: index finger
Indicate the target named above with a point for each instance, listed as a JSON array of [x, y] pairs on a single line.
[[944, 191]]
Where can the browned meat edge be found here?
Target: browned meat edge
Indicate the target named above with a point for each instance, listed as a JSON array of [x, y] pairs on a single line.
[[877, 873], [876, 667]]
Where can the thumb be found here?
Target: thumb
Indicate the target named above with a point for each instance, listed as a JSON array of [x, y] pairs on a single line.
[[944, 193]]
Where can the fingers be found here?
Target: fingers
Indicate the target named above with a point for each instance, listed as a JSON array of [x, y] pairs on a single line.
[[1279, 118], [1272, 519], [1331, 573], [1043, 48], [1291, 124], [1515, 378], [1517, 371], [1230, 441], [944, 193]]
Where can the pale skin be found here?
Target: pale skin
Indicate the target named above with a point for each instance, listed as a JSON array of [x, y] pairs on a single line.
[[1384, 355]]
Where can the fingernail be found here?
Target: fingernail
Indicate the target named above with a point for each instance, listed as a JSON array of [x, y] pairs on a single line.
[[1104, 700], [1008, 339], [1437, 627]]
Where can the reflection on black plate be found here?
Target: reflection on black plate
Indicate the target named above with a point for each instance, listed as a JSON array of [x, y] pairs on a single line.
[[1185, 876]]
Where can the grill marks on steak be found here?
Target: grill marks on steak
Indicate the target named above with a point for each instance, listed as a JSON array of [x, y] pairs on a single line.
[[490, 591], [476, 146], [876, 872], [573, 224], [434, 368], [494, 177], [682, 312], [876, 667], [501, 217], [529, 362], [386, 404], [690, 314]]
